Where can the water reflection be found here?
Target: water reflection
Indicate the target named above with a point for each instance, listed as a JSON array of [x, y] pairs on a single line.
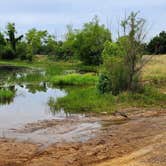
[[34, 88], [29, 104], [8, 72], [7, 99], [13, 74]]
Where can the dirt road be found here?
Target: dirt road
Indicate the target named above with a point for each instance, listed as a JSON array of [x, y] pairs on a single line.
[[137, 141]]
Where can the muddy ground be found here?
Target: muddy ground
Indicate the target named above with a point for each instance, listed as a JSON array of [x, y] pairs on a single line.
[[139, 140]]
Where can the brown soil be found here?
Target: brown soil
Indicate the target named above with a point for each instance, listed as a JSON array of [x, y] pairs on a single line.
[[139, 141]]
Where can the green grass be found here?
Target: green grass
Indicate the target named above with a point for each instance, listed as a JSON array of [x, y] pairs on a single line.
[[88, 99], [6, 95], [75, 79], [85, 99]]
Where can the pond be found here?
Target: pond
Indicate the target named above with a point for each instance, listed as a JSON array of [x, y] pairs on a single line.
[[28, 116]]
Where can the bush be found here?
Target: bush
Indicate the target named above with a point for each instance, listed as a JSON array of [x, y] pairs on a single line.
[[114, 77], [8, 52], [24, 51]]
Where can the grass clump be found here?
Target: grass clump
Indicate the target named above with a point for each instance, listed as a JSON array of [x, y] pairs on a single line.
[[6, 95], [74, 79]]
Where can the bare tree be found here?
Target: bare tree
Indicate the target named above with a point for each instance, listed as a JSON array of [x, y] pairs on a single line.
[[134, 33]]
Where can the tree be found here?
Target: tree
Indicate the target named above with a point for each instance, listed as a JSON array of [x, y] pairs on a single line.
[[90, 41], [122, 60], [49, 46], [158, 44], [2, 44], [11, 33], [24, 51], [2, 40], [36, 39], [134, 48], [68, 46]]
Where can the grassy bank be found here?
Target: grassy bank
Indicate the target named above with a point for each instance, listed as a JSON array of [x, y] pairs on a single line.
[[88, 99]]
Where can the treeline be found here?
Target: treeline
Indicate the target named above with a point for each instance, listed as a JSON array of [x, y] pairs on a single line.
[[86, 44]]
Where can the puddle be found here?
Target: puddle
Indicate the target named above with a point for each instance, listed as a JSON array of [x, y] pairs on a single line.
[[66, 132]]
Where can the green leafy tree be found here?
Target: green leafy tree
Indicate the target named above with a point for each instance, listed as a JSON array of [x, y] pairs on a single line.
[[68, 46], [50, 45], [2, 39], [158, 44], [2, 44], [66, 49], [24, 51], [90, 41], [36, 39]]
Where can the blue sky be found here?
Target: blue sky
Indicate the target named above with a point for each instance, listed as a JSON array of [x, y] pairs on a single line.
[[54, 15]]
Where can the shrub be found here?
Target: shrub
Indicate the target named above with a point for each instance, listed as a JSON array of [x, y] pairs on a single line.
[[24, 51], [8, 52], [114, 77]]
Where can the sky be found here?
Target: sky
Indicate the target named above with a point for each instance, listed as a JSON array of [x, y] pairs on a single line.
[[54, 15]]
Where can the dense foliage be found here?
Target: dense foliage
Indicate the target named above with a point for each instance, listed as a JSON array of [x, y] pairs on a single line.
[[90, 42], [158, 44]]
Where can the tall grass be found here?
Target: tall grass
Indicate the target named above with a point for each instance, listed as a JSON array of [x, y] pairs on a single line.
[[149, 97], [155, 70]]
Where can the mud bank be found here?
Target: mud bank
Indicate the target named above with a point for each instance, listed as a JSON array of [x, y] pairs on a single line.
[[115, 141]]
